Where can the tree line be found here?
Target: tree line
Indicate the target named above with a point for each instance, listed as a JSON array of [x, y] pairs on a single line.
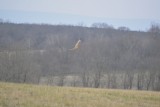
[[107, 57]]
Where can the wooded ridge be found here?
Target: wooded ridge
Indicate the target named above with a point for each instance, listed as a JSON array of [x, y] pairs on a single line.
[[106, 57]]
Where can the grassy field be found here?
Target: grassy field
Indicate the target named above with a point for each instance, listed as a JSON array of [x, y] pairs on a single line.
[[23, 95]]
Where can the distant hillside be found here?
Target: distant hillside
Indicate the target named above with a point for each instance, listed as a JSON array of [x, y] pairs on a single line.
[[46, 36], [107, 57]]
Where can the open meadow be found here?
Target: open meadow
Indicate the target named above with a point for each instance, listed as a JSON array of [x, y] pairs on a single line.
[[26, 95]]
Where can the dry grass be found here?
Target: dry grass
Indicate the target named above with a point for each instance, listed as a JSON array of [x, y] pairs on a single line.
[[22, 95]]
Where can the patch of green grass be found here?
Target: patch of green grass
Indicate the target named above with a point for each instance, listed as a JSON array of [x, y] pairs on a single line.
[[24, 95]]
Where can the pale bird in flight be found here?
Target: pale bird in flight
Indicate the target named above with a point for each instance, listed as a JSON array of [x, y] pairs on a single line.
[[76, 46]]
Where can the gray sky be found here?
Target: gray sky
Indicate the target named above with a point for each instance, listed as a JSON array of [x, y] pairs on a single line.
[[105, 9]]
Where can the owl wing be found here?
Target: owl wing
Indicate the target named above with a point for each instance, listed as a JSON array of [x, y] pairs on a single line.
[[76, 46]]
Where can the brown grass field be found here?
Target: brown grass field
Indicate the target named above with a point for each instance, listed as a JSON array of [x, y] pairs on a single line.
[[26, 95]]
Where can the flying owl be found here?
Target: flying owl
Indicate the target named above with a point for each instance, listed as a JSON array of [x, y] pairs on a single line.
[[76, 46]]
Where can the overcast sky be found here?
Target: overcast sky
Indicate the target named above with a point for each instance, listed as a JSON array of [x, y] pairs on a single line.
[[96, 10]]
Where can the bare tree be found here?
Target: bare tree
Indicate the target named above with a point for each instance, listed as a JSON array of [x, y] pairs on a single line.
[[128, 80]]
